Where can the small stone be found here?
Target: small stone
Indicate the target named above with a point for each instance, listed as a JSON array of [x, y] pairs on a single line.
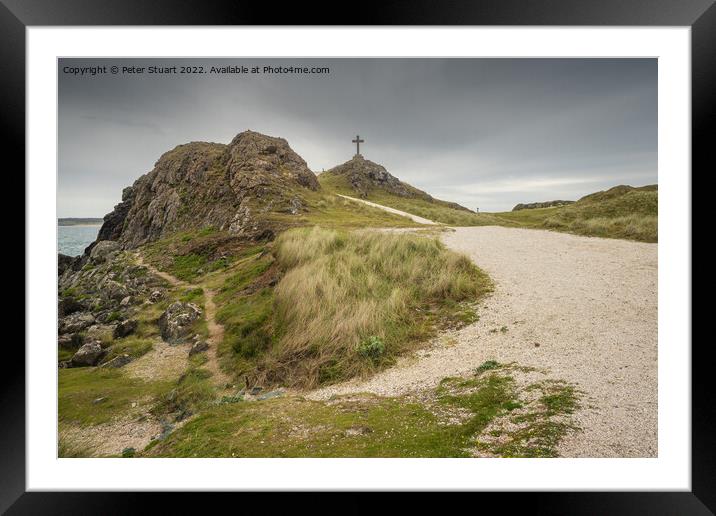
[[358, 430], [198, 347], [99, 400], [125, 301]]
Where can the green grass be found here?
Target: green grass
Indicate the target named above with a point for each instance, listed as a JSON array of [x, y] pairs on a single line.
[[298, 315], [437, 211], [133, 346], [447, 422], [620, 212], [337, 212], [80, 388], [188, 255], [191, 393]]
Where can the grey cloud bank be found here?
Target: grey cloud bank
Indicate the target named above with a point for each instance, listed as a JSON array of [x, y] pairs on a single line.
[[486, 133]]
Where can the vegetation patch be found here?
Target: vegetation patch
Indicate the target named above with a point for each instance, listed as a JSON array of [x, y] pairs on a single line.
[[341, 288], [189, 255], [89, 396], [620, 212], [435, 209], [449, 421]]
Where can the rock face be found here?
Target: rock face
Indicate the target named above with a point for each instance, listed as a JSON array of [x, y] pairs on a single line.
[[103, 250], [363, 176], [176, 321], [196, 185], [533, 205]]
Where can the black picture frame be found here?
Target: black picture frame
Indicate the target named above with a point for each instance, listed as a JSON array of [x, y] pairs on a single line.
[[700, 15]]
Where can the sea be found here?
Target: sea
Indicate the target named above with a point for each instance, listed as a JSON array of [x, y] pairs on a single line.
[[72, 240]]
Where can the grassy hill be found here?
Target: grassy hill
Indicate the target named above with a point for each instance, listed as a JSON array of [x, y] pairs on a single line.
[[427, 207], [620, 212]]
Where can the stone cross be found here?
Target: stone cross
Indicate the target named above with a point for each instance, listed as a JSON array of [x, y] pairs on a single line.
[[358, 141]]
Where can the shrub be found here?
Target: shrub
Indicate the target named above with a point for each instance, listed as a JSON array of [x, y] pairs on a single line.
[[372, 348]]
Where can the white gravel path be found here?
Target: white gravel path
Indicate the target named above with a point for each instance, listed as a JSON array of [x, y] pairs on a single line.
[[583, 308], [414, 218]]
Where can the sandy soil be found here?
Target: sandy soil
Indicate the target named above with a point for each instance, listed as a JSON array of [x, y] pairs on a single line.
[[585, 309]]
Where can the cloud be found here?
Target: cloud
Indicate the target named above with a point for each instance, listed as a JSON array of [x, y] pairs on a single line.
[[494, 131]]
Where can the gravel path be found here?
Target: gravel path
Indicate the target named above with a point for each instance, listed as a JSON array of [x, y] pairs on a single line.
[[414, 218], [585, 309]]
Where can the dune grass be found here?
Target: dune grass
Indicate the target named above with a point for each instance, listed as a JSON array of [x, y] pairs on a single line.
[[620, 212], [342, 288], [325, 305]]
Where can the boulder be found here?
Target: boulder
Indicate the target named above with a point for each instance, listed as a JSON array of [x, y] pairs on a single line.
[[75, 322], [125, 328], [155, 296], [88, 355], [100, 332], [103, 250], [176, 321]]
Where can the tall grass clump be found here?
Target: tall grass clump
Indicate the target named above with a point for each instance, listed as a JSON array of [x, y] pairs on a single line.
[[342, 289]]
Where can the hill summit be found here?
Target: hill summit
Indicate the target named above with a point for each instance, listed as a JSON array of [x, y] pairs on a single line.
[[365, 179], [231, 187]]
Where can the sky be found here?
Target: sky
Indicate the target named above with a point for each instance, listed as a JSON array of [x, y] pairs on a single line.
[[486, 133]]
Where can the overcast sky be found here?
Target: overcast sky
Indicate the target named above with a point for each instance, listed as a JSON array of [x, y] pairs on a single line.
[[486, 133]]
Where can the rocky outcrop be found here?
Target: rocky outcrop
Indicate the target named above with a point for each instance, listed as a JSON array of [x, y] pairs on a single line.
[[547, 204], [230, 187], [364, 176], [103, 250], [176, 322]]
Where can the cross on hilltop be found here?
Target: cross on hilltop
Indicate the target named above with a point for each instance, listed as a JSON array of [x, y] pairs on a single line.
[[358, 141]]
